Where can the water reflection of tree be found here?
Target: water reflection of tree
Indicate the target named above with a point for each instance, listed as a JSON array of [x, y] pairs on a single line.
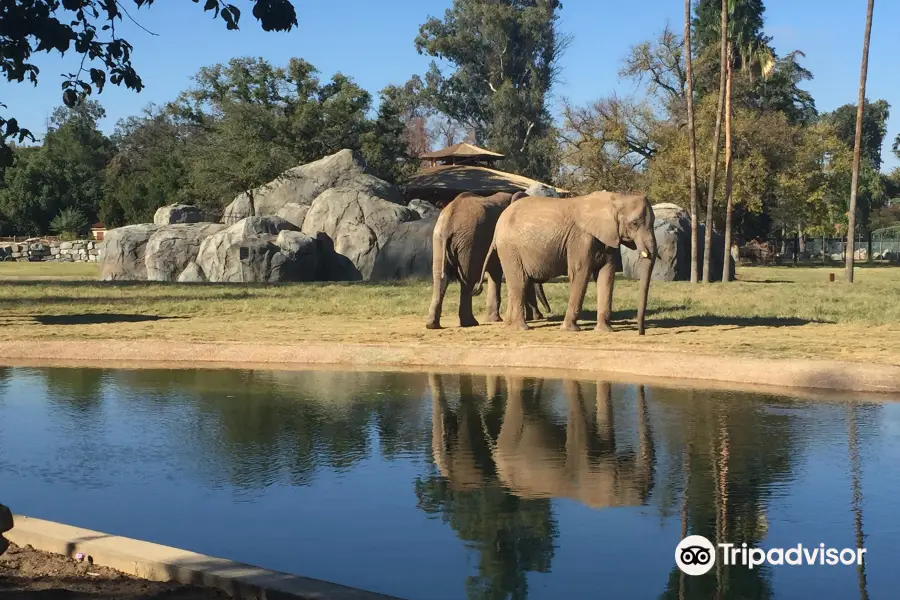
[[513, 536], [80, 390], [733, 454], [266, 426]]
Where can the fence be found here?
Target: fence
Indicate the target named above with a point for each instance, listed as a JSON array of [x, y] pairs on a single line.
[[24, 238], [790, 249]]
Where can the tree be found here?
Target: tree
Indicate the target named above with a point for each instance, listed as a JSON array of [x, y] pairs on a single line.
[[692, 147], [66, 171], [239, 153], [710, 196], [248, 121], [70, 222], [745, 47], [385, 146], [851, 227], [608, 144], [89, 26], [874, 128], [504, 56], [149, 169]]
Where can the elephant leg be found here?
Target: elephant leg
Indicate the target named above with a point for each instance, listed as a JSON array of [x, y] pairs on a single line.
[[495, 277], [578, 281], [466, 316], [605, 280], [515, 289], [530, 303], [440, 281]]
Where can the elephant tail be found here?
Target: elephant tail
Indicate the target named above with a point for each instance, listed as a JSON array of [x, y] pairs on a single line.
[[487, 259]]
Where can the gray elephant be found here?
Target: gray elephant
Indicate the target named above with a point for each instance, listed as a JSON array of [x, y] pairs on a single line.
[[460, 242], [537, 239]]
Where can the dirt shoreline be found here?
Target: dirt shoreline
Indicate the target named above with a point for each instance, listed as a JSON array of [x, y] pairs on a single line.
[[29, 574], [631, 365]]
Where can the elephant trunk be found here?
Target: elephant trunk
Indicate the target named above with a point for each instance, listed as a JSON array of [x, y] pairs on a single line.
[[645, 269]]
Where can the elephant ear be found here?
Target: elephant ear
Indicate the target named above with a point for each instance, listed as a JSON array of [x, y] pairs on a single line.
[[598, 215]]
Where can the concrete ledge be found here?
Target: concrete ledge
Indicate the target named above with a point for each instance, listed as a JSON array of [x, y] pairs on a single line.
[[163, 563]]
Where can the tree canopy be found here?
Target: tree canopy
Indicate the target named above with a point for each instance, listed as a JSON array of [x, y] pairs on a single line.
[[241, 123], [89, 28]]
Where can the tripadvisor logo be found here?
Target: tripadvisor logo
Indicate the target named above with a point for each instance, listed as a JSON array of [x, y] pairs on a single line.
[[696, 555]]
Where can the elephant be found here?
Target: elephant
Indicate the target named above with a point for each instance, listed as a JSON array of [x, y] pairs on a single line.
[[535, 458], [460, 242], [537, 239]]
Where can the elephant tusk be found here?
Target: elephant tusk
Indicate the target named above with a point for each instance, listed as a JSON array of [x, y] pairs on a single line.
[[644, 254]]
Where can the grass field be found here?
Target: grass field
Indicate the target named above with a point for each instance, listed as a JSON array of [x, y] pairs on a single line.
[[771, 312]]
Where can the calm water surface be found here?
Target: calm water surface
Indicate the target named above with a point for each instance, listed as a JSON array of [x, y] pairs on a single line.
[[457, 486]]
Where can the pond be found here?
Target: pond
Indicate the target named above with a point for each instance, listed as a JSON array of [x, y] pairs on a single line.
[[460, 486]]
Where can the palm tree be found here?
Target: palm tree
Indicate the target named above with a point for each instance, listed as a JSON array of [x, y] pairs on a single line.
[[691, 137], [851, 225], [753, 55], [711, 185]]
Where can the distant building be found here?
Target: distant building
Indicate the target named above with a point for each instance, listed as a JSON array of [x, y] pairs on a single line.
[[464, 168], [98, 230]]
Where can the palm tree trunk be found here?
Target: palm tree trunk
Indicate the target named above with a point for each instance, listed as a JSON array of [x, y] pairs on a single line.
[[711, 185], [851, 226], [729, 74], [692, 144]]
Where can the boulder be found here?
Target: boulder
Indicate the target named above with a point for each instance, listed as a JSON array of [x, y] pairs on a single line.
[[191, 274], [172, 247], [293, 212], [303, 184], [672, 229], [178, 213], [358, 222], [407, 252], [425, 209], [122, 255], [539, 189], [301, 254], [253, 250]]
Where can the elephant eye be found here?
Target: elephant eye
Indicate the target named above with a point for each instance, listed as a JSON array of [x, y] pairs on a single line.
[[636, 223]]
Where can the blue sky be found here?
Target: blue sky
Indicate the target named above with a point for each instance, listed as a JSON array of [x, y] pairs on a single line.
[[373, 43]]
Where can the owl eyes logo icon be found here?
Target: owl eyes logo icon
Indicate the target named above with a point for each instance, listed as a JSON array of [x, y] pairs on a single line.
[[695, 555]]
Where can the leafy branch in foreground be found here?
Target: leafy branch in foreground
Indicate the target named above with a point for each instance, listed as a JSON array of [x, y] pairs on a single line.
[[89, 26]]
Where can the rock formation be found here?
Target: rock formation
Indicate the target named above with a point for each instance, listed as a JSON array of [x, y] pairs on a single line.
[[257, 249], [407, 252], [178, 213], [303, 184], [358, 222], [672, 229], [172, 247], [327, 220], [122, 255]]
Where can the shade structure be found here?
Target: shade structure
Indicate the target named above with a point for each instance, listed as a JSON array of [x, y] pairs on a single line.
[[439, 185]]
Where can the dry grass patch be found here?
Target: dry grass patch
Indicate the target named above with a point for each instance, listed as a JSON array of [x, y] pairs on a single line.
[[770, 312]]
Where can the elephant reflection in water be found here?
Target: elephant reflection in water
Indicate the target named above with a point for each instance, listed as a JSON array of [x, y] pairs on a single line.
[[535, 458]]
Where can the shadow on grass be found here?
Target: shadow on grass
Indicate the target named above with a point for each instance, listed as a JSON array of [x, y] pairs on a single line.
[[627, 319], [97, 318]]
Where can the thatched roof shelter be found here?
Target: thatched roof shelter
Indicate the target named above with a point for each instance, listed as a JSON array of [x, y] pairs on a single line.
[[439, 185], [461, 154]]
